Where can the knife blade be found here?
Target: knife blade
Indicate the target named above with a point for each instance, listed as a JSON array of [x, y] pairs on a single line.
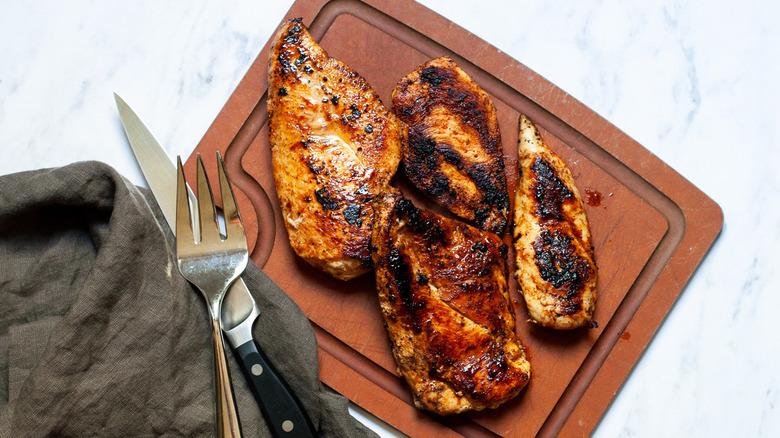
[[284, 413]]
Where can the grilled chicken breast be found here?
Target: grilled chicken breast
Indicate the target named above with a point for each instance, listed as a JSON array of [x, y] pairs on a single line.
[[555, 265], [442, 288], [334, 147], [452, 150]]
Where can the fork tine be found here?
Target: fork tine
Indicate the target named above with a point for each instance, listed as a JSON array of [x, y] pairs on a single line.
[[234, 226], [184, 231], [211, 264], [209, 227]]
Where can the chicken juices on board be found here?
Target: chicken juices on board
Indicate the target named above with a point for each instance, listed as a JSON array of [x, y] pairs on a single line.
[[334, 148]]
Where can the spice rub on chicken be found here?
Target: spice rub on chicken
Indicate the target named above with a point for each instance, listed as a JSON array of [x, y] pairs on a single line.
[[555, 266], [334, 146], [443, 293], [452, 150]]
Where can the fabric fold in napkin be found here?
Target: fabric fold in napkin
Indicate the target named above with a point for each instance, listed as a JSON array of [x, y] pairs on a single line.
[[101, 336]]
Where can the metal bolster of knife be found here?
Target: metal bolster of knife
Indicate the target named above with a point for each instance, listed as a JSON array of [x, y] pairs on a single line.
[[241, 333]]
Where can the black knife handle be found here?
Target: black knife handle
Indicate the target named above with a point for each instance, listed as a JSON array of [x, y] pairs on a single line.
[[284, 413]]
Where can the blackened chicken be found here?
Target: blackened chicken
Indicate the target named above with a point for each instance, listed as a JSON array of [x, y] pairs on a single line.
[[555, 266], [452, 149], [334, 148], [442, 288]]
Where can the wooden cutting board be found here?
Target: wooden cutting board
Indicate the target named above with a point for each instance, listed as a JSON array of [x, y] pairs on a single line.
[[651, 227]]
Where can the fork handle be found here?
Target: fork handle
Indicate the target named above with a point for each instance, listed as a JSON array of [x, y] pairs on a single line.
[[284, 413], [227, 415]]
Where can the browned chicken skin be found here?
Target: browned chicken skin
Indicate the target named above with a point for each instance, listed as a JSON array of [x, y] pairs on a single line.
[[334, 147], [443, 292], [555, 265], [452, 150]]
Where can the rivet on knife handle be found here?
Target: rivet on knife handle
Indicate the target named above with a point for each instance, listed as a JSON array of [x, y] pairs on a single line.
[[282, 411]]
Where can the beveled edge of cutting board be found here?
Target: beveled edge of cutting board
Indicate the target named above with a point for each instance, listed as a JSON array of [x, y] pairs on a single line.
[[694, 219]]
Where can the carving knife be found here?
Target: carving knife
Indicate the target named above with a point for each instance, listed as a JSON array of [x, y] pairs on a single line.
[[285, 415]]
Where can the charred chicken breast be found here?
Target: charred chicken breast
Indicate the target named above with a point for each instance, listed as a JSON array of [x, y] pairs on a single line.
[[555, 266], [452, 150], [334, 148], [442, 288]]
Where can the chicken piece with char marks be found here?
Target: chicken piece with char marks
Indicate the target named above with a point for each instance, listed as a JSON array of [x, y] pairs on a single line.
[[555, 265], [452, 150], [443, 293], [334, 145]]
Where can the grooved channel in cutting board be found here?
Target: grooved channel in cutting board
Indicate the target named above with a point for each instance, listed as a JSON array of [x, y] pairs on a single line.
[[382, 46]]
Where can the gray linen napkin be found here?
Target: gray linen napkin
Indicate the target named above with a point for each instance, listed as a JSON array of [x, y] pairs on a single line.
[[101, 336]]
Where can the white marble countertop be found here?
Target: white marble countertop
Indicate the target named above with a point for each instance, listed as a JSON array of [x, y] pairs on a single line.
[[694, 82]]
